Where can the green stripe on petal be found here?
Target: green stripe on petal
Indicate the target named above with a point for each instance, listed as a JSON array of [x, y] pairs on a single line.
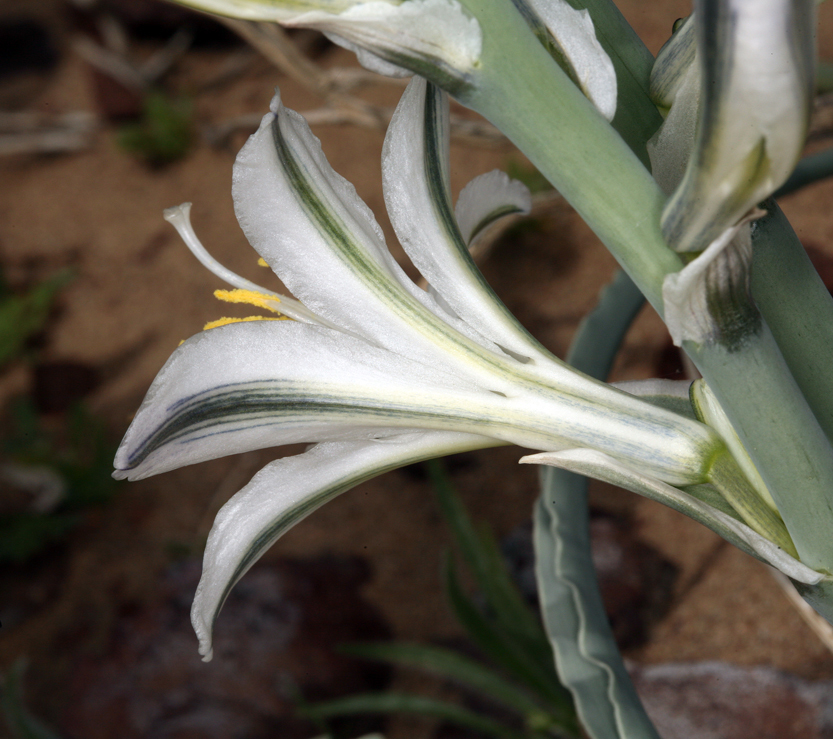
[[258, 384], [673, 62], [602, 467], [417, 193], [286, 491]]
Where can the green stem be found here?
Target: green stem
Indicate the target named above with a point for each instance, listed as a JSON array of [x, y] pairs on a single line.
[[524, 93], [798, 308], [636, 119], [770, 415]]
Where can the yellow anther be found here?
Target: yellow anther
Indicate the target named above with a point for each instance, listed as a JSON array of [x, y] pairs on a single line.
[[261, 300], [262, 262], [226, 321]]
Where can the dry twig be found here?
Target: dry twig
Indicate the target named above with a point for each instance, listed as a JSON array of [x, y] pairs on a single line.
[[334, 86], [36, 133]]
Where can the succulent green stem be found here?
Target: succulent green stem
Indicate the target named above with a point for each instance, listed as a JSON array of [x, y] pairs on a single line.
[[523, 92]]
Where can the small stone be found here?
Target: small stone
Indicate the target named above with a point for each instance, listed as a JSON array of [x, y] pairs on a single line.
[[715, 700], [275, 643]]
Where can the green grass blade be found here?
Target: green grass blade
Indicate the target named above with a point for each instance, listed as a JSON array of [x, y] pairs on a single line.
[[20, 722], [21, 316], [399, 703], [450, 664], [497, 645], [483, 558]]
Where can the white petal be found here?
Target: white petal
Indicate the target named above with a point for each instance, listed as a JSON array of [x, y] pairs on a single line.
[[420, 36], [417, 194], [757, 73], [486, 199], [573, 32], [708, 300], [253, 385], [430, 37], [674, 60], [257, 384], [268, 10], [602, 467], [286, 491], [321, 239]]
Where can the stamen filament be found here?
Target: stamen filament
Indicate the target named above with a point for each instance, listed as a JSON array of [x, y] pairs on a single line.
[[180, 218], [226, 321]]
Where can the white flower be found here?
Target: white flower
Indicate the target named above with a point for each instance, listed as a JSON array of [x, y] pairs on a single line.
[[374, 370], [738, 77]]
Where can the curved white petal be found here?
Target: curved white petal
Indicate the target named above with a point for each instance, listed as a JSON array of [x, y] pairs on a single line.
[[419, 36], [286, 491], [321, 239], [269, 10], [417, 195], [573, 32], [757, 74], [486, 199], [674, 60], [708, 300], [602, 467], [415, 36]]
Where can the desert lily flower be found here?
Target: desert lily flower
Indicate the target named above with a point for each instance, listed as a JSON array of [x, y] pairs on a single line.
[[738, 78], [373, 370]]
